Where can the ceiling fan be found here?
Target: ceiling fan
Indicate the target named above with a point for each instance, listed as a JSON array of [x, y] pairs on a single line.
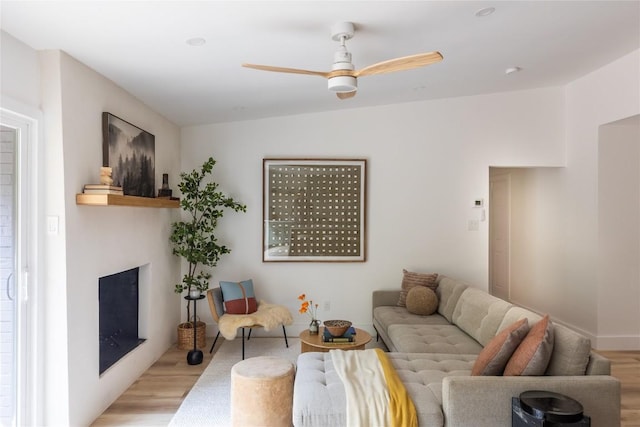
[[343, 78]]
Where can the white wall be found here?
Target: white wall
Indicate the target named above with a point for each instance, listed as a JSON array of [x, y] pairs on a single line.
[[606, 95], [19, 71], [560, 269], [428, 161], [55, 330], [619, 234], [92, 242], [102, 241]]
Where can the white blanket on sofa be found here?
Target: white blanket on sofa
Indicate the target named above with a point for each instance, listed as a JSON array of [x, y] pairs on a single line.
[[375, 395]]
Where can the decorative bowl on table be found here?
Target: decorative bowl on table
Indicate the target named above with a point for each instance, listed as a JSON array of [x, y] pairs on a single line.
[[337, 328]]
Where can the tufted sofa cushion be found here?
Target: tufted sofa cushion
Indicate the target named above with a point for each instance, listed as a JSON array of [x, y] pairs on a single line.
[[443, 339], [448, 292], [392, 315], [319, 398], [480, 314], [422, 375], [517, 313]]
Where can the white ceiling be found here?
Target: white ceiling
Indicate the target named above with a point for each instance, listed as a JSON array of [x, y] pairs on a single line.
[[141, 45]]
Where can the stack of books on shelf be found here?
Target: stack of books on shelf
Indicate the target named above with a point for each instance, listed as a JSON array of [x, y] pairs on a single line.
[[346, 338], [102, 189]]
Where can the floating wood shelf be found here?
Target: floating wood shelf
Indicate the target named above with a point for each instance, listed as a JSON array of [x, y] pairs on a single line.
[[115, 200]]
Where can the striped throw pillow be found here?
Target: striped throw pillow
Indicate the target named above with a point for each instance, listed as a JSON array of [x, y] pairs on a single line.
[[239, 297], [410, 280]]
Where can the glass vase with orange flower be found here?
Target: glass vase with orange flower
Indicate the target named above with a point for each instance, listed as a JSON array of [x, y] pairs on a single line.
[[307, 306]]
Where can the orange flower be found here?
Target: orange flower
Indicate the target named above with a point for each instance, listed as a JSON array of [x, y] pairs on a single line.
[[307, 306]]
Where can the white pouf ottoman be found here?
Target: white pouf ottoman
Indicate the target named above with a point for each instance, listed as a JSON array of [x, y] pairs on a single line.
[[262, 392]]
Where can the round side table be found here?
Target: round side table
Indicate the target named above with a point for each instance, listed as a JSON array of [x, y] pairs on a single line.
[[310, 342]]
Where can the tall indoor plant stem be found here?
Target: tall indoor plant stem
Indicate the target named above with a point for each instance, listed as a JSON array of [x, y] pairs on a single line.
[[193, 238]]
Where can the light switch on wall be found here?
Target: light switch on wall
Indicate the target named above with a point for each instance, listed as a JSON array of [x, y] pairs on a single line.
[[474, 225], [52, 225]]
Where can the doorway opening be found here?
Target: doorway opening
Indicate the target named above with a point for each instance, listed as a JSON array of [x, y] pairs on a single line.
[[499, 233]]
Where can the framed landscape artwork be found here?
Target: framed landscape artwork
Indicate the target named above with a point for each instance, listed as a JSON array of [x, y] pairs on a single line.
[[130, 152], [314, 210]]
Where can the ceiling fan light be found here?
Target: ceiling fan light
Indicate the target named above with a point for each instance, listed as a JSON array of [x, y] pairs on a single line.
[[343, 84]]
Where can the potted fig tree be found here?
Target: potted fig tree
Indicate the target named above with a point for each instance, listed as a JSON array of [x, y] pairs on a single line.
[[193, 238]]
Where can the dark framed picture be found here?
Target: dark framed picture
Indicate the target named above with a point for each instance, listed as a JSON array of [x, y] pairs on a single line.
[[314, 210], [131, 153]]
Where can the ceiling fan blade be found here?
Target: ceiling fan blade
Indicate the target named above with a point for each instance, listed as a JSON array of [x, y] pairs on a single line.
[[401, 64], [286, 70], [346, 95]]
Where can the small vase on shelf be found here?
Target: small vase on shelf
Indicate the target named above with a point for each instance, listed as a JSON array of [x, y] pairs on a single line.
[[314, 327]]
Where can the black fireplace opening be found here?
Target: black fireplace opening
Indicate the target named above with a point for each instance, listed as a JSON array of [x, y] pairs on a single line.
[[118, 309]]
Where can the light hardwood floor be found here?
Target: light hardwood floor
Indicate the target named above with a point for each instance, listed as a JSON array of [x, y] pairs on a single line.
[[157, 394], [155, 397], [625, 365]]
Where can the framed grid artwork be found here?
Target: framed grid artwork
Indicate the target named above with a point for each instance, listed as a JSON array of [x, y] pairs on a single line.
[[314, 210]]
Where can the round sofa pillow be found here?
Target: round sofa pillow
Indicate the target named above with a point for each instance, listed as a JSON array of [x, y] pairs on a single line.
[[421, 300]]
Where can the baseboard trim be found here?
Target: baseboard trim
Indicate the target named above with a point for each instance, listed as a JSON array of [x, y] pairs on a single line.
[[618, 342], [598, 342]]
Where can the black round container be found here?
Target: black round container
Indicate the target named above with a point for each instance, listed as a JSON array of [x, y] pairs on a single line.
[[552, 407]]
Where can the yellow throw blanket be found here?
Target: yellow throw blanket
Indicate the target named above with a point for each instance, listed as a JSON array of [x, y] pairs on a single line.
[[375, 395]]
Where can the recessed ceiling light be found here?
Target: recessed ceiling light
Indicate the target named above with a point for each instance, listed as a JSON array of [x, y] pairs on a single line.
[[485, 12], [196, 41], [512, 70]]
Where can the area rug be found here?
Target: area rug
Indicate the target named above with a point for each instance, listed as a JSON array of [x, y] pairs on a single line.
[[208, 402]]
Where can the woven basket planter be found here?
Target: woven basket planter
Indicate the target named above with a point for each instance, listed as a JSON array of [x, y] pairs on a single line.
[[185, 335]]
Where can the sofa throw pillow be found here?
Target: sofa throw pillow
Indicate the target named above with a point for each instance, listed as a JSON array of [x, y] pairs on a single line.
[[411, 279], [239, 297], [495, 355], [422, 301], [534, 352]]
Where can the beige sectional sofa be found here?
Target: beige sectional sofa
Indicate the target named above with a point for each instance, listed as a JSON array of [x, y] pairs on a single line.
[[434, 356]]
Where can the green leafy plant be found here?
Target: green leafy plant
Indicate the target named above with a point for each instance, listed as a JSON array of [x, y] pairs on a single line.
[[194, 239]]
